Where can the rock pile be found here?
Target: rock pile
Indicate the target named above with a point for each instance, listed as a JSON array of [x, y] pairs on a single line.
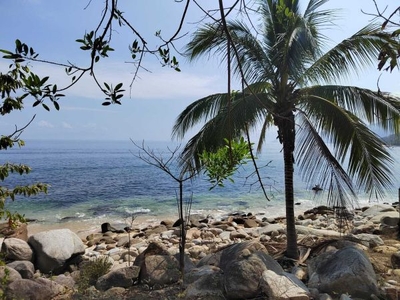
[[237, 257]]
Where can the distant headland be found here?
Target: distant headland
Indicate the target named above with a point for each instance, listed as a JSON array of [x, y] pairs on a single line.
[[392, 140]]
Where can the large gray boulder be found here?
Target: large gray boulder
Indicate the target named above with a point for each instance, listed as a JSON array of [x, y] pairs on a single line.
[[209, 286], [243, 265], [157, 266], [368, 240], [212, 259], [159, 270], [347, 270], [16, 249], [200, 272], [384, 216], [123, 277], [377, 209], [39, 289], [54, 248]]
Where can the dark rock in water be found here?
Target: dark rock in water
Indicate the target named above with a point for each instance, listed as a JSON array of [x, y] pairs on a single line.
[[297, 203], [319, 210], [237, 213], [66, 219], [242, 203], [107, 227], [28, 220]]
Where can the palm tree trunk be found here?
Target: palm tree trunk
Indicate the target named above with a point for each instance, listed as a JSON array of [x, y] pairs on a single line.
[[291, 250], [183, 232], [287, 138]]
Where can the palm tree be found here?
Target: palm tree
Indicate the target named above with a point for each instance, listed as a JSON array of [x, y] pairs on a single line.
[[292, 84]]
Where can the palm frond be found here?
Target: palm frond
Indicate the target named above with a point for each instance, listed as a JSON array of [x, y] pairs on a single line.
[[375, 108], [245, 111], [353, 142], [317, 164], [351, 56], [199, 111]]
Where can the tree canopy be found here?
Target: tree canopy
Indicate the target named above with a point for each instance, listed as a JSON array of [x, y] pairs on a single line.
[[290, 83]]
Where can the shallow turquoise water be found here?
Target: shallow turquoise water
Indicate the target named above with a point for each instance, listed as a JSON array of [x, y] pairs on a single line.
[[102, 181]]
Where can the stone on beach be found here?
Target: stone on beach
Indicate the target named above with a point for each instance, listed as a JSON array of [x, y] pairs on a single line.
[[16, 249], [346, 271], [280, 287], [227, 259], [54, 248], [25, 268], [123, 277]]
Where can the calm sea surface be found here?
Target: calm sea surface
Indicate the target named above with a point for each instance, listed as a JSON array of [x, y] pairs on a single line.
[[104, 181]]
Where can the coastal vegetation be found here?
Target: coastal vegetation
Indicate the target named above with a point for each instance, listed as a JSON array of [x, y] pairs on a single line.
[[16, 84], [167, 162], [290, 82]]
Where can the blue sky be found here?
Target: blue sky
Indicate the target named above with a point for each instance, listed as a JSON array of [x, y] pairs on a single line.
[[51, 28]]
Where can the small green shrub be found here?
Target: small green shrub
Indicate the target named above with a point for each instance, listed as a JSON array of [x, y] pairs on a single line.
[[93, 270], [4, 281]]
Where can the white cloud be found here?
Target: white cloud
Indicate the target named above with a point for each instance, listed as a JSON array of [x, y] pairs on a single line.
[[45, 124], [90, 126], [66, 125], [161, 84], [76, 108]]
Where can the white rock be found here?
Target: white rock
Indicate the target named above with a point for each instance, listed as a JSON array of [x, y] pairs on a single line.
[[280, 287]]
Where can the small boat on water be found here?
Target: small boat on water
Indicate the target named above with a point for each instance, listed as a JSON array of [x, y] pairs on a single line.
[[317, 188]]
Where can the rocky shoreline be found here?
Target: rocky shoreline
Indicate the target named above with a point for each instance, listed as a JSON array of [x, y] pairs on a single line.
[[343, 255]]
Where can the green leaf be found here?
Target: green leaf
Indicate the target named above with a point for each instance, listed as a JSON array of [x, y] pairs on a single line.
[[43, 81], [25, 48], [118, 86], [6, 51], [45, 107], [106, 103], [18, 45]]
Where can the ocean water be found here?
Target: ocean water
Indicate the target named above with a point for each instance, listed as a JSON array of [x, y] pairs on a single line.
[[103, 181]]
